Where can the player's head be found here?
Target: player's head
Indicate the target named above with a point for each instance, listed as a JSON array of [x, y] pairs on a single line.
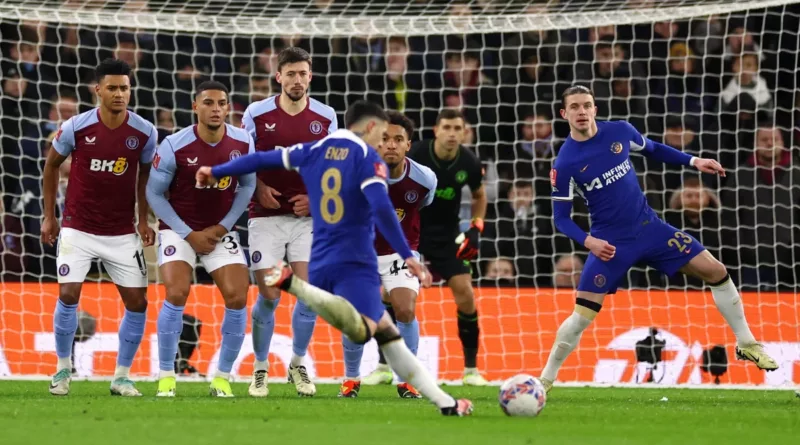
[[368, 121], [113, 84], [396, 138], [211, 104], [294, 72], [450, 128], [578, 108]]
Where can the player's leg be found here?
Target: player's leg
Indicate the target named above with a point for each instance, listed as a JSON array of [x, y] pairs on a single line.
[[403, 302], [176, 260], [228, 268], [267, 248], [468, 329], [382, 375], [73, 261], [123, 259], [598, 279], [298, 252]]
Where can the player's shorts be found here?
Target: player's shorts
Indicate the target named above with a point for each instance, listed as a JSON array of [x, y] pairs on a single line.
[[274, 238], [171, 247], [440, 254], [394, 273], [358, 284], [122, 257], [661, 246]]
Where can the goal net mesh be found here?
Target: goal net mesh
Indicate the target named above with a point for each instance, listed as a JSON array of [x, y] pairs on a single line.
[[714, 78]]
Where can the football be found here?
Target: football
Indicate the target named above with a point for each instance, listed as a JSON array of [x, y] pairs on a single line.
[[522, 396]]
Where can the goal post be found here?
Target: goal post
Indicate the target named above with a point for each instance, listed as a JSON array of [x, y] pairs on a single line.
[[715, 78]]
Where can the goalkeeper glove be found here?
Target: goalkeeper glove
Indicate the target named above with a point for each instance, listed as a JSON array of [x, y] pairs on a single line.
[[469, 241]]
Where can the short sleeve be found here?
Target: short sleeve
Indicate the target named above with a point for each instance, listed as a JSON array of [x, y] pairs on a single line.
[[149, 150], [637, 141], [372, 169], [334, 124], [164, 161], [64, 142], [561, 181], [248, 124]]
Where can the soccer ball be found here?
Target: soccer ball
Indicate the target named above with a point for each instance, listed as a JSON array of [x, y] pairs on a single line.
[[522, 396]]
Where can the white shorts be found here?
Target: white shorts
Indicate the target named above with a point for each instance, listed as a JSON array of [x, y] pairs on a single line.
[[171, 247], [273, 238], [122, 257], [394, 273]]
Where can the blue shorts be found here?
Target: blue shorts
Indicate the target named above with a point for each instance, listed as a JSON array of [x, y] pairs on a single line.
[[659, 246], [358, 284]]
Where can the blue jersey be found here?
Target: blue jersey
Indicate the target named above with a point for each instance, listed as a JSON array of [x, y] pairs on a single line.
[[335, 170], [600, 170]]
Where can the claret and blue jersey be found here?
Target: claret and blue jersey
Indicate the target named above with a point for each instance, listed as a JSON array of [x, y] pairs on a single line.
[[599, 169]]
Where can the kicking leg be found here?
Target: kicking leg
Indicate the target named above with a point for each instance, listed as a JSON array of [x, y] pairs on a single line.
[[233, 280], [728, 301], [587, 305], [303, 322]]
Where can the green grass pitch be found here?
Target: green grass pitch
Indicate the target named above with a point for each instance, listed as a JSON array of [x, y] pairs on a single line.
[[89, 415]]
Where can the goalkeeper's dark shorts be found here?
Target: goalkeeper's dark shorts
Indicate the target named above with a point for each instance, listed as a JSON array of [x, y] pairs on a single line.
[[440, 255]]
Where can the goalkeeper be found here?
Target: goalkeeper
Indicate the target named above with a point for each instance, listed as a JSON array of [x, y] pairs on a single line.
[[594, 161]]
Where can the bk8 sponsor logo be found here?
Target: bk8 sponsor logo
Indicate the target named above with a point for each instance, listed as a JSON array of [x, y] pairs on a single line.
[[116, 167], [222, 184]]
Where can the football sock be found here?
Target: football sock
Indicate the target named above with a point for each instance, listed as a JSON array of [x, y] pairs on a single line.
[[469, 332], [729, 303], [131, 331], [410, 370], [352, 358], [567, 337], [381, 358], [233, 327], [263, 318], [169, 325], [334, 309], [303, 321], [65, 323], [410, 334]]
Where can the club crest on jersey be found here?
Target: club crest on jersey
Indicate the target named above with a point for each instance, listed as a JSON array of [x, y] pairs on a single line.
[[616, 148], [256, 257], [412, 196], [461, 176], [315, 127], [234, 154], [169, 250], [401, 214], [599, 280], [63, 270], [132, 142]]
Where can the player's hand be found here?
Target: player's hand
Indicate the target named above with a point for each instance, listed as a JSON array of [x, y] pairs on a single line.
[[300, 204], [217, 230], [203, 177], [600, 248], [147, 234], [420, 271], [202, 242], [469, 241], [265, 195], [709, 166], [50, 229]]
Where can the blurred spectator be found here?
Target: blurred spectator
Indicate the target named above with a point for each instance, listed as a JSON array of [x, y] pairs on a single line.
[[609, 61], [475, 92], [500, 270], [567, 273], [532, 155], [766, 200], [747, 80], [165, 124], [396, 87]]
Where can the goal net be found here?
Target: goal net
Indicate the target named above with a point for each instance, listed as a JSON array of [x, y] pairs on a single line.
[[714, 78]]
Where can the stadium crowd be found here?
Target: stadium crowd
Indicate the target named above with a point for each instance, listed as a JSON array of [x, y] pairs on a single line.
[[725, 87]]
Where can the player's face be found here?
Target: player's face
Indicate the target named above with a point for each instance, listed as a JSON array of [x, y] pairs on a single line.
[[294, 79], [395, 145], [114, 92], [580, 112], [373, 133], [211, 108], [450, 132]]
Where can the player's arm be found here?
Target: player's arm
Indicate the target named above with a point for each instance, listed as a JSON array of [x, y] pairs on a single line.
[[161, 175], [288, 159], [470, 244], [562, 195], [62, 146], [668, 155], [265, 195], [147, 234], [244, 192]]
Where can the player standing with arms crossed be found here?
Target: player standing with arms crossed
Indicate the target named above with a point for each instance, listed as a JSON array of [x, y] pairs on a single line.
[[279, 225], [411, 187], [594, 161], [346, 181], [111, 149], [198, 221], [454, 166]]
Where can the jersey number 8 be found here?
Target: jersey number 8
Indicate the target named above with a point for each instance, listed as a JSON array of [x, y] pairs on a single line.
[[331, 186]]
